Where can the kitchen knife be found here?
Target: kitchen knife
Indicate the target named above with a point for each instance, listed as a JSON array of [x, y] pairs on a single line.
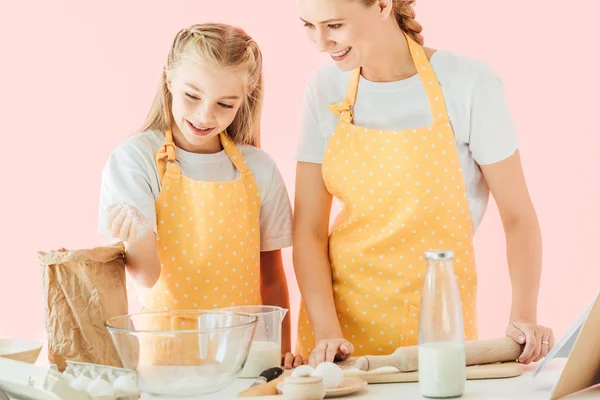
[[265, 384], [267, 376]]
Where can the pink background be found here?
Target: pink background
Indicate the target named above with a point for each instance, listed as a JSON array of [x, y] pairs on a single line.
[[76, 79]]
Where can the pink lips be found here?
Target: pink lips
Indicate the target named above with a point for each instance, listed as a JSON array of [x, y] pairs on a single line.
[[199, 132], [341, 57]]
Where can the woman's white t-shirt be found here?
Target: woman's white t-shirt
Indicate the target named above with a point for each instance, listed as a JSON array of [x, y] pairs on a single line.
[[474, 97], [131, 176]]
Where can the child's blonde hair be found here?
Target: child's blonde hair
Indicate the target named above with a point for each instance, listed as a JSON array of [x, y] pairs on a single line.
[[223, 46]]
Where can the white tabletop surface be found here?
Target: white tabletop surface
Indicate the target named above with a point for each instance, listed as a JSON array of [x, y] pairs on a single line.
[[521, 387]]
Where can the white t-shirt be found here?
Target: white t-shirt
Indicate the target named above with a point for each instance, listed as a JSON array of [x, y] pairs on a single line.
[[131, 176], [474, 97]]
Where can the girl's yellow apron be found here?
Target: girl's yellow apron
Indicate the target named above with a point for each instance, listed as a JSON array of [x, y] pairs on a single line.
[[208, 245]]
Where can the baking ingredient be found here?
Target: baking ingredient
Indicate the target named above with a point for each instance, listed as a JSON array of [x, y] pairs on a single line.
[[442, 369], [303, 370], [100, 388], [83, 288], [55, 384], [183, 381], [331, 373], [81, 383], [262, 356], [68, 377], [109, 376], [85, 381], [125, 385]]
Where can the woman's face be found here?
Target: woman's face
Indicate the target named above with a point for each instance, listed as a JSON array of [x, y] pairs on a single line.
[[346, 29]]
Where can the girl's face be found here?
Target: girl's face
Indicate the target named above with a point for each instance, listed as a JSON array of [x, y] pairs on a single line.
[[345, 29], [205, 102]]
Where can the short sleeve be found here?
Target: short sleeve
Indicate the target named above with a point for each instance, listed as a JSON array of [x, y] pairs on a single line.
[[492, 136], [312, 143], [275, 215], [125, 179]]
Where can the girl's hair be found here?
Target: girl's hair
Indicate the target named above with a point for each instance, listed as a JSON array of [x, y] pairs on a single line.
[[223, 46], [405, 16]]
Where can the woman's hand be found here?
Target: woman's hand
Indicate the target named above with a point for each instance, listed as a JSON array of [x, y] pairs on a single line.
[[538, 340], [290, 361], [330, 350]]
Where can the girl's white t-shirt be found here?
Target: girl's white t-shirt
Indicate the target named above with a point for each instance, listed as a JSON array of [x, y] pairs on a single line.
[[474, 97], [131, 176]]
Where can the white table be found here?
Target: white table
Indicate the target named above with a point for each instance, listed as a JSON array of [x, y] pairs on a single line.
[[521, 387]]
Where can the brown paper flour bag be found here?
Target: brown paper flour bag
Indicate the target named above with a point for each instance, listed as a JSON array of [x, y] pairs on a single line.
[[82, 289]]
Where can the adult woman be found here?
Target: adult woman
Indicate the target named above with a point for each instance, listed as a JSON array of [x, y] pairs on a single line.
[[411, 141]]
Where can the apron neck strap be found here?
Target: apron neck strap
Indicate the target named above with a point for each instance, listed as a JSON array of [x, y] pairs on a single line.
[[428, 77], [165, 156], [430, 82], [234, 154]]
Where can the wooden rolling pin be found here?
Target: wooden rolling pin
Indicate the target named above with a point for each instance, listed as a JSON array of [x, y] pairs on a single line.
[[405, 359], [473, 372]]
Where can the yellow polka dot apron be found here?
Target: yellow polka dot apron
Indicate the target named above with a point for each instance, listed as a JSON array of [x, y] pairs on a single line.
[[403, 193], [208, 244], [208, 237]]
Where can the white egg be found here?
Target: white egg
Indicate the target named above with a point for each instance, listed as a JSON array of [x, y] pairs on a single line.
[[109, 376], [100, 388], [81, 383], [331, 373], [303, 370], [125, 385]]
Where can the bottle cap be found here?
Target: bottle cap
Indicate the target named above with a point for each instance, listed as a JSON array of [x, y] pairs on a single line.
[[439, 255]]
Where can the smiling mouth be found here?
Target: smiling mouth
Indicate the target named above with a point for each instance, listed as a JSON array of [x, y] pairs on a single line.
[[199, 130], [341, 53]]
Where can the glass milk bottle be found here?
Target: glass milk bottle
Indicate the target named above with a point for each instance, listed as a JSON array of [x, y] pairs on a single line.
[[442, 364]]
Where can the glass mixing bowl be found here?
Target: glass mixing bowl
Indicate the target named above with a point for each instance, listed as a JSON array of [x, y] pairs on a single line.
[[183, 353]]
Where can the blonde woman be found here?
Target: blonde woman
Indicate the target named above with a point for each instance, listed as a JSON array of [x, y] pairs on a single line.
[[204, 213], [411, 141]]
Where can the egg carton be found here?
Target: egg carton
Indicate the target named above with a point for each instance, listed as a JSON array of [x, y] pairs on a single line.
[[75, 371]]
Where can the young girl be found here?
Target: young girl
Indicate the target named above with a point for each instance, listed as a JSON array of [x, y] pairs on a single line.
[[203, 212], [411, 140]]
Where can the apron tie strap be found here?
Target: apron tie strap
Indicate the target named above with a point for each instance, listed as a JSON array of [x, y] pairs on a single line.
[[165, 154]]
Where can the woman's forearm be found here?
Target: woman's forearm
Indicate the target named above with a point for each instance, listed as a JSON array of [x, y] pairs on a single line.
[[524, 254], [313, 272]]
